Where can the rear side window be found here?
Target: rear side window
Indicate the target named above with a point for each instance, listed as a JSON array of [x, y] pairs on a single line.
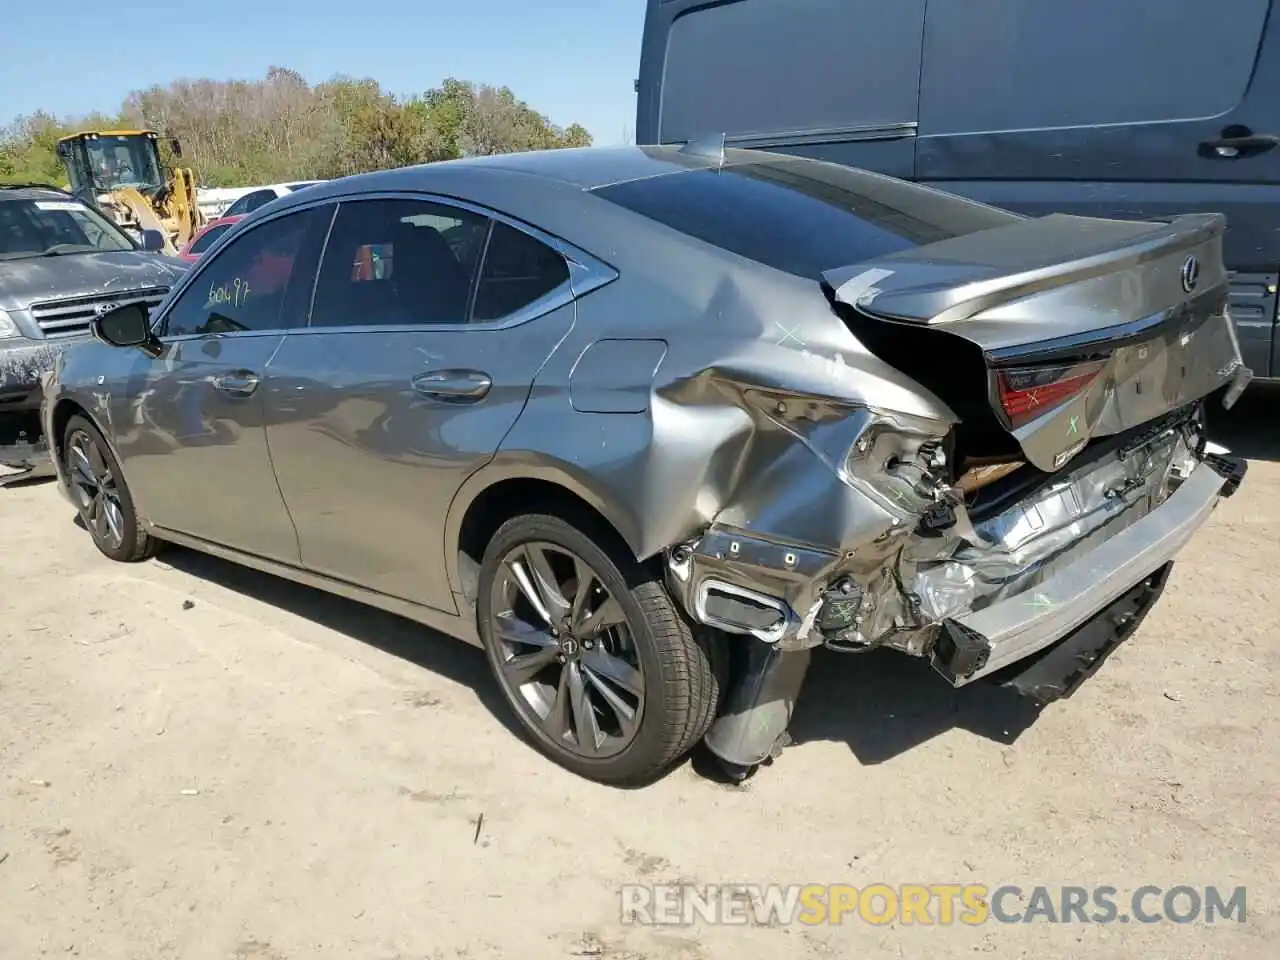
[[517, 271], [800, 216]]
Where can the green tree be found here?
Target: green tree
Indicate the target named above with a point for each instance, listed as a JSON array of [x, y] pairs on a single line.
[[279, 128]]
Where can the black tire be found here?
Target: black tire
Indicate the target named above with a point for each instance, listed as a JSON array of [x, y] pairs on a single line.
[[679, 663], [134, 543]]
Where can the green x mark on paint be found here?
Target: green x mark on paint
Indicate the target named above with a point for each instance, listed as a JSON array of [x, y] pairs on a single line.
[[1075, 425], [1039, 602]]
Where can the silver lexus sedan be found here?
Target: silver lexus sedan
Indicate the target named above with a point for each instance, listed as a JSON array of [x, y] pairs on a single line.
[[649, 425]]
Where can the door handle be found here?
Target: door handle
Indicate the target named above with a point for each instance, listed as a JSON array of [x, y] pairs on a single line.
[[1228, 148], [452, 386], [242, 383]]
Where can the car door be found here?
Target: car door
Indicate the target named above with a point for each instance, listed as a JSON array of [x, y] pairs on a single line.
[[189, 423], [429, 324], [1116, 108]]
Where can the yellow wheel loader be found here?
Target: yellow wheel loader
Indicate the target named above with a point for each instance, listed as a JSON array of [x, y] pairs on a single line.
[[120, 172]]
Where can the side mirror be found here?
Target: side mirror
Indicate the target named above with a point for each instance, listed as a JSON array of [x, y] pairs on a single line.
[[128, 325], [176, 146], [153, 241]]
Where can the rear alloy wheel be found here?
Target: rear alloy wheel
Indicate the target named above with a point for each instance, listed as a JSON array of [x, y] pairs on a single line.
[[101, 495], [602, 670]]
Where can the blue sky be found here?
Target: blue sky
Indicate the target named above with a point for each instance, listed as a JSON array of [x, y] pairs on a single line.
[[573, 60]]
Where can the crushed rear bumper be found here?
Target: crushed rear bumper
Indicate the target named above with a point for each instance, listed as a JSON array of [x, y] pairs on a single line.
[[985, 641]]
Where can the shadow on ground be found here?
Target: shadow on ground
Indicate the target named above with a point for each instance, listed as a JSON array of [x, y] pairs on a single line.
[[410, 641], [884, 703], [881, 704], [1252, 427]]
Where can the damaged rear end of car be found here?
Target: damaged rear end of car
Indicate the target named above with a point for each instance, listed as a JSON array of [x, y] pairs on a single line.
[[1020, 537]]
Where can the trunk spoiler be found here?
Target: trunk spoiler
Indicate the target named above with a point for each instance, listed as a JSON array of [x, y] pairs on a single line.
[[959, 278]]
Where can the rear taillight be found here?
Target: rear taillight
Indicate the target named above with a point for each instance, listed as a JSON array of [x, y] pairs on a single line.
[[1029, 392]]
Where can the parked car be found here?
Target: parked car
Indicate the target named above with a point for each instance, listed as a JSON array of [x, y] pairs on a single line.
[[60, 262], [264, 195], [989, 100], [206, 235], [649, 425]]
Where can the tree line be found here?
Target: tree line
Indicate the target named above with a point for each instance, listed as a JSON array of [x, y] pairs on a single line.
[[280, 128]]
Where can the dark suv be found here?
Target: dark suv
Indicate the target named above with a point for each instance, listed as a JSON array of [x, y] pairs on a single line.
[[61, 263]]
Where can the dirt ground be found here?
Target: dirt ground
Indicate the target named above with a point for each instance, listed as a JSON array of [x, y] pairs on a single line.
[[197, 761]]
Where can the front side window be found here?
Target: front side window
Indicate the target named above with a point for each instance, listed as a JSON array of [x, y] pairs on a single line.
[[53, 227], [399, 263], [261, 281]]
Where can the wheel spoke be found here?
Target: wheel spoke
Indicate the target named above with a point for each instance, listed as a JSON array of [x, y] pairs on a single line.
[[586, 578], [99, 516], [617, 671], [623, 711], [584, 715], [96, 461], [111, 510], [544, 579], [608, 614], [509, 628], [80, 463], [523, 668], [556, 721], [525, 582]]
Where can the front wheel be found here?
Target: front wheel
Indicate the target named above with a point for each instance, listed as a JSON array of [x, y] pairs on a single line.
[[101, 495], [603, 671]]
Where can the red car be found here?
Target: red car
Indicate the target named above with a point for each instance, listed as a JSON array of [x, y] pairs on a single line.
[[205, 237]]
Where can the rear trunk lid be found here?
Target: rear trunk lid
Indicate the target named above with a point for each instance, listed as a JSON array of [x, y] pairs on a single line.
[[1059, 329]]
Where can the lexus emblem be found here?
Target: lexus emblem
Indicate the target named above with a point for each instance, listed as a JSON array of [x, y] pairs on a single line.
[[1190, 274]]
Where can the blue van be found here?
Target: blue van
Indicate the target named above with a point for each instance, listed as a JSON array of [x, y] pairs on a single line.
[[1112, 108]]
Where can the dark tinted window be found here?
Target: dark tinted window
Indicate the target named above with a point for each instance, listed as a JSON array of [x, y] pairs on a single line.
[[517, 271], [398, 262], [261, 281], [249, 202], [260, 199], [802, 216], [207, 238]]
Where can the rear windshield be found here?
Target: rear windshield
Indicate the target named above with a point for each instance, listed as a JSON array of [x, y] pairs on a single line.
[[802, 216]]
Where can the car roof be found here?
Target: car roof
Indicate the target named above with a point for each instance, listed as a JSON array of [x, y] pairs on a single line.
[[33, 191], [583, 167]]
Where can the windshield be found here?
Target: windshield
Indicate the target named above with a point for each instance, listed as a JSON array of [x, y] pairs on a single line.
[[51, 227], [123, 161]]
